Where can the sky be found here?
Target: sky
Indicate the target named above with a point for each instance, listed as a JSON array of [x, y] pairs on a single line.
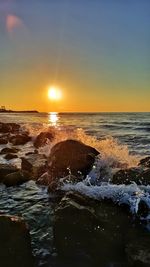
[[96, 51]]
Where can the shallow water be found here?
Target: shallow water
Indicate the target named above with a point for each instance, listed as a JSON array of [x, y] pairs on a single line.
[[122, 137]]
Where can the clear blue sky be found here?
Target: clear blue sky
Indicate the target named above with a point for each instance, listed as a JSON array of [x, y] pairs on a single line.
[[98, 51]]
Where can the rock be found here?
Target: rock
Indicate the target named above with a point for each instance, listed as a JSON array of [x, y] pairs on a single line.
[[44, 179], [6, 169], [15, 243], [101, 232], [84, 227], [16, 178], [145, 177], [9, 127], [127, 176], [143, 209], [145, 162], [138, 248], [42, 139], [35, 164], [3, 140], [7, 150], [19, 139], [10, 156], [31, 153], [73, 157]]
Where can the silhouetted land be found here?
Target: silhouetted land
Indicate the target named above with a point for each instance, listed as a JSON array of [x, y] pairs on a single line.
[[20, 111]]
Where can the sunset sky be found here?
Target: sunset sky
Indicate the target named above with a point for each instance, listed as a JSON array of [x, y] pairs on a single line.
[[96, 51]]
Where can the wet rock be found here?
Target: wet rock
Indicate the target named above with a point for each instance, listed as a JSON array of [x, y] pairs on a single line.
[[145, 177], [127, 176], [6, 169], [85, 227], [19, 139], [102, 231], [15, 248], [44, 179], [10, 156], [9, 127], [73, 157], [7, 150], [138, 248], [3, 140], [143, 209], [35, 164], [42, 139], [16, 178], [31, 153], [145, 162]]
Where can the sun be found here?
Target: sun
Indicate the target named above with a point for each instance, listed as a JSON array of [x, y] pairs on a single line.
[[54, 93]]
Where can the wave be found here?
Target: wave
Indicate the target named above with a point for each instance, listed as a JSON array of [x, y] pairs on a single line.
[[132, 195], [111, 150]]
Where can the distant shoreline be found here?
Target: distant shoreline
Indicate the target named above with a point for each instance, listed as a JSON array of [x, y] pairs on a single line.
[[19, 111]]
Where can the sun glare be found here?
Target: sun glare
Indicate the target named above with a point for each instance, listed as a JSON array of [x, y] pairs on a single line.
[[54, 93]]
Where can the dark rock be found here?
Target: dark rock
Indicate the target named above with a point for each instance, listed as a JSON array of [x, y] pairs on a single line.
[[145, 177], [6, 169], [102, 230], [73, 157], [85, 227], [145, 162], [138, 248], [3, 140], [9, 127], [36, 164], [42, 138], [7, 150], [10, 156], [20, 139], [127, 176], [16, 178], [31, 153], [143, 209], [15, 243], [44, 179]]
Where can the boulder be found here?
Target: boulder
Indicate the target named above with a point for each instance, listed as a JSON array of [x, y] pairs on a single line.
[[19, 139], [15, 243], [127, 176], [99, 233], [145, 162], [35, 164], [42, 138], [16, 178], [71, 157], [7, 150], [9, 127], [6, 169], [10, 156], [86, 229]]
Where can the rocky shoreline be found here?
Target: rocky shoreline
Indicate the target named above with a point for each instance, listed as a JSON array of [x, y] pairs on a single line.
[[93, 232]]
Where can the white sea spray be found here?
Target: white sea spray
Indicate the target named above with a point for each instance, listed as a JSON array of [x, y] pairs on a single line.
[[121, 194]]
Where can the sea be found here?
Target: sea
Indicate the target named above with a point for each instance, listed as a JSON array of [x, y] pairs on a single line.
[[122, 137]]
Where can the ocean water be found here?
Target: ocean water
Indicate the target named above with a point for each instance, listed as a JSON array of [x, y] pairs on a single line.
[[131, 129], [120, 137]]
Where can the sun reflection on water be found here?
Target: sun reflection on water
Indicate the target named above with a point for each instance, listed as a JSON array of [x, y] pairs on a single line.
[[53, 118]]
